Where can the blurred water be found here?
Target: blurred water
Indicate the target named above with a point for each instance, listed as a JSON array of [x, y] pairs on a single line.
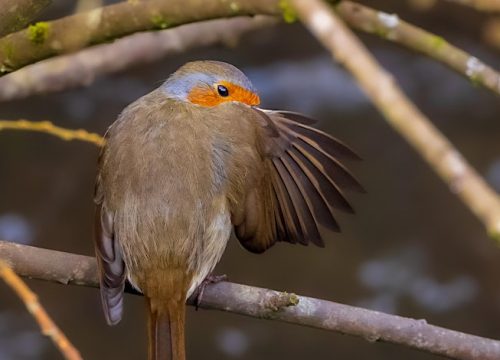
[[493, 174], [405, 273], [412, 249], [15, 228], [232, 341], [314, 82], [16, 341]]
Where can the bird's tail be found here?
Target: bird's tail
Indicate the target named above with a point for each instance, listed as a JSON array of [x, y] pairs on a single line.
[[166, 329]]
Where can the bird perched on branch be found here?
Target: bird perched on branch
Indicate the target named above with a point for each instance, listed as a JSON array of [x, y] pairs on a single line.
[[185, 165]]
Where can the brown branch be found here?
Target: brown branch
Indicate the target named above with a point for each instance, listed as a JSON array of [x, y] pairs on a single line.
[[16, 14], [371, 325], [82, 68], [392, 28], [482, 5], [49, 128], [77, 31], [48, 327], [401, 113]]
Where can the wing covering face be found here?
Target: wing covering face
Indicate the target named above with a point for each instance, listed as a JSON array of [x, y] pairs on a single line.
[[304, 181], [111, 267]]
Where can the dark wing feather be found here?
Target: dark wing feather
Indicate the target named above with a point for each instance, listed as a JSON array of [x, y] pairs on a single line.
[[111, 267], [306, 182]]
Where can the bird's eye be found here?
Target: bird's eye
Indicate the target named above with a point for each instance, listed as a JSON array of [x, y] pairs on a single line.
[[222, 90]]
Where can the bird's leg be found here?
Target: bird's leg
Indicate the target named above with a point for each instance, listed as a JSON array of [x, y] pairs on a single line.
[[210, 279]]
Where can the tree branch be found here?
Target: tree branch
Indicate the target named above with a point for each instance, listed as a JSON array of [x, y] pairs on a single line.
[[48, 327], [68, 71], [16, 14], [49, 128], [401, 113], [77, 31], [60, 267], [81, 69], [392, 28]]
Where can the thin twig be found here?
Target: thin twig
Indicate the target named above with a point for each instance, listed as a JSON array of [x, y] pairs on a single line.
[[48, 327], [64, 268], [482, 5], [401, 113], [392, 28], [81, 69], [49, 128]]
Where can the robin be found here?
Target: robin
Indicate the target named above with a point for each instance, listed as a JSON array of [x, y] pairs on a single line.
[[185, 165]]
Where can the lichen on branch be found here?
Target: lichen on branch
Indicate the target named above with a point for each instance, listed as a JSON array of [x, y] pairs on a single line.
[[100, 25], [392, 28], [16, 14]]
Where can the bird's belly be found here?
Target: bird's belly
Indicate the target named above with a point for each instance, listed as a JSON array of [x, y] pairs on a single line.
[[213, 245], [188, 242]]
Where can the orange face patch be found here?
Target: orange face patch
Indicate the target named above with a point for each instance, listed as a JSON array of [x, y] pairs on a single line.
[[210, 97]]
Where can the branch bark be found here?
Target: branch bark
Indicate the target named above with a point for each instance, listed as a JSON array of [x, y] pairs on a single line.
[[49, 128], [80, 69], [401, 113], [77, 31], [48, 327], [16, 14], [65, 268], [392, 28]]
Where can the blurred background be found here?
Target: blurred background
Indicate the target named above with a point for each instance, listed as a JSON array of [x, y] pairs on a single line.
[[412, 249]]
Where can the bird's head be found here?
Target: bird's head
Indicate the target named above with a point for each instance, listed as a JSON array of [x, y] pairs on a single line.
[[210, 83]]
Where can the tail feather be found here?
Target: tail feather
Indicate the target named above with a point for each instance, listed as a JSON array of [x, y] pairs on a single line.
[[166, 330]]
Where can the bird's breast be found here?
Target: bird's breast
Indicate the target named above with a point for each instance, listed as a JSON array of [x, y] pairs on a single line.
[[170, 176]]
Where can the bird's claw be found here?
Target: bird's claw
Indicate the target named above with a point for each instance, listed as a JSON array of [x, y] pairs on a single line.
[[210, 279]]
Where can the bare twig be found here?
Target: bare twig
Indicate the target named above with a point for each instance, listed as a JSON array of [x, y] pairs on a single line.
[[400, 112], [77, 31], [49, 128], [392, 28], [15, 14], [82, 68], [48, 327], [74, 269], [482, 5]]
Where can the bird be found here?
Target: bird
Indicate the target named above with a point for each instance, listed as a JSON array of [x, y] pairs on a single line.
[[189, 164]]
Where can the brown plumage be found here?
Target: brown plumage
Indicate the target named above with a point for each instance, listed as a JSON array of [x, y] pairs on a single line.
[[186, 164]]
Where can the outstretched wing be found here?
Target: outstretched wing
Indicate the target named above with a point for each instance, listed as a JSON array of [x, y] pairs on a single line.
[[304, 182], [112, 272]]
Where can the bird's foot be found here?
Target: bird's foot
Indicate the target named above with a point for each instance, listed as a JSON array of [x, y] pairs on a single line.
[[210, 279]]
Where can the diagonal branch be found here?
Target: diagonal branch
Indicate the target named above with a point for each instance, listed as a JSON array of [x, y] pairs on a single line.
[[103, 24], [392, 28], [401, 113], [49, 128], [371, 325], [81, 68], [48, 327]]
